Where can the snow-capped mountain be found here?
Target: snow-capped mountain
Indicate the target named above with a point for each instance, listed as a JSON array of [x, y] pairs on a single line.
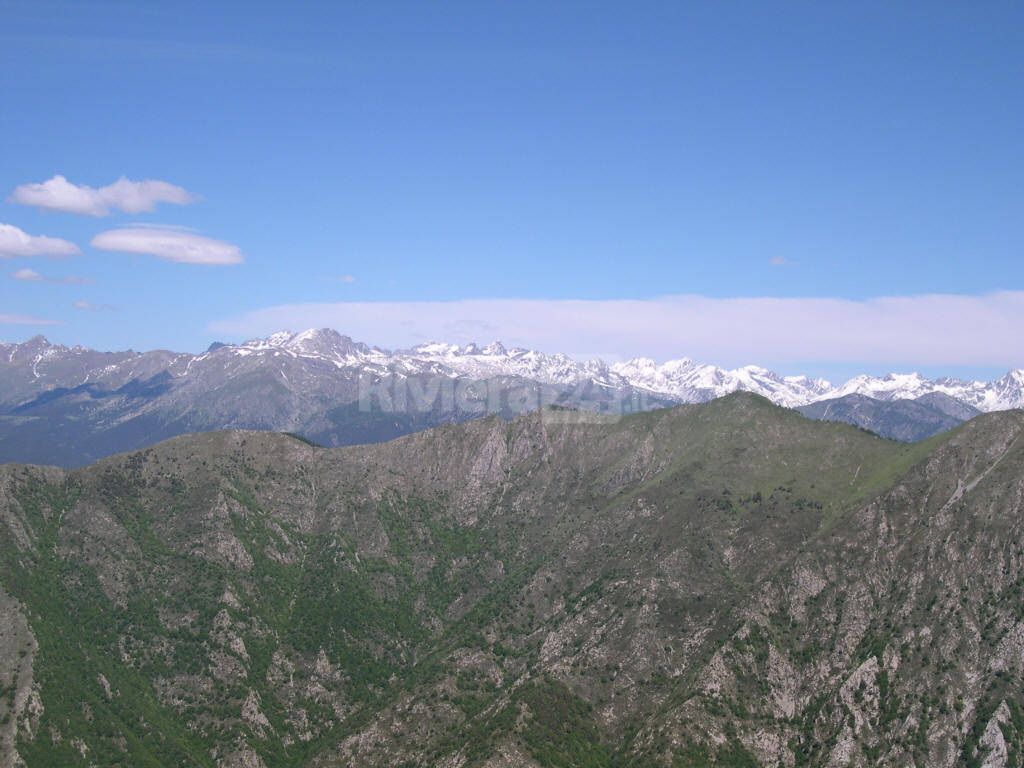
[[495, 360], [682, 380], [692, 383], [69, 405], [45, 366], [999, 395], [470, 361]]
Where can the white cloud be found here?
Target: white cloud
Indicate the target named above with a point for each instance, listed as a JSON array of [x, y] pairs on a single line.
[[902, 331], [779, 261], [172, 245], [14, 242], [93, 307], [59, 194], [27, 320], [342, 279], [31, 276]]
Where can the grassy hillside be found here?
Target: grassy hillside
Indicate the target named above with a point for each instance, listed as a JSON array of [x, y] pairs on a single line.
[[722, 584]]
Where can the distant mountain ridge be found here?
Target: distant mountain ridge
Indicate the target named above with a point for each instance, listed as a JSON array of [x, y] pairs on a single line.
[[71, 405], [906, 420], [682, 380]]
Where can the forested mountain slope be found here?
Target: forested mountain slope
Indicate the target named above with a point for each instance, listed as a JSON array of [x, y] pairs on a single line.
[[718, 584]]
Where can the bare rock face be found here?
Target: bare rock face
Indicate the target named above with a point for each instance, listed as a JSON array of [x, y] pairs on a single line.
[[718, 584], [992, 743], [21, 706]]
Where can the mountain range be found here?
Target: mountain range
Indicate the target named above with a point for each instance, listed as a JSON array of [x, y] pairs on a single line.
[[68, 406], [722, 584], [906, 419]]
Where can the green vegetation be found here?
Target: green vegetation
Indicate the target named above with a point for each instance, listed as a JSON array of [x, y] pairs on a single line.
[[654, 591], [561, 732]]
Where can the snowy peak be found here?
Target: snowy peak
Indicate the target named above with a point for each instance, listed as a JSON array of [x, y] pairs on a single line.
[[1008, 391], [324, 343], [689, 382], [1015, 378], [37, 345], [436, 349], [892, 386], [497, 360]]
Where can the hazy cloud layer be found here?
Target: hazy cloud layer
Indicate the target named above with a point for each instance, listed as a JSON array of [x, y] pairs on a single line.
[[27, 320], [172, 245], [31, 276], [14, 242], [58, 194], [938, 329]]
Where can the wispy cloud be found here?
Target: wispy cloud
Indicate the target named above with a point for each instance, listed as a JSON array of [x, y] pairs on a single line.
[[59, 194], [172, 245], [14, 243], [342, 279], [779, 261], [27, 320], [31, 276], [903, 331], [85, 305]]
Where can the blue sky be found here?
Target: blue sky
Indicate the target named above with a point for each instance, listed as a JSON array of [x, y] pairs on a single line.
[[439, 154]]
